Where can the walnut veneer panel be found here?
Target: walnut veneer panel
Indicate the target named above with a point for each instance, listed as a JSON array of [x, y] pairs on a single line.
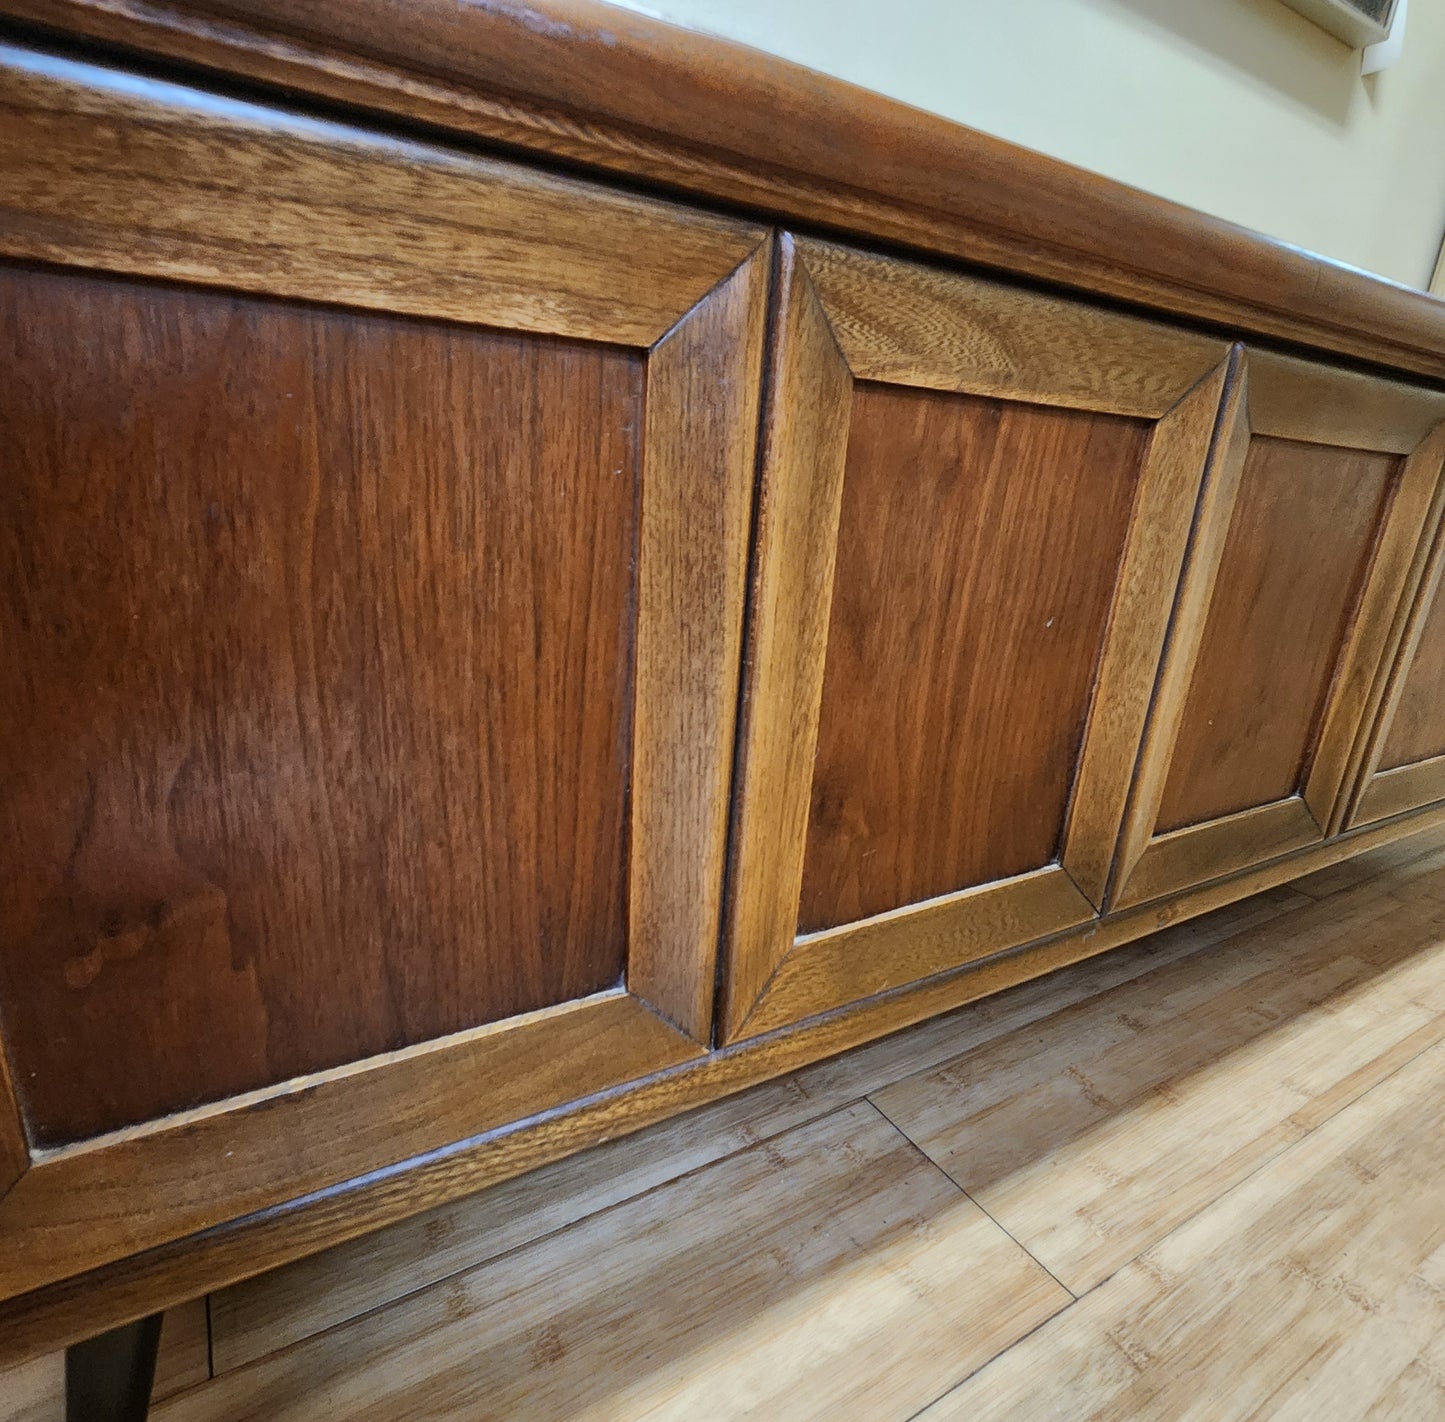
[[978, 546], [1299, 544], [1418, 729], [318, 630]]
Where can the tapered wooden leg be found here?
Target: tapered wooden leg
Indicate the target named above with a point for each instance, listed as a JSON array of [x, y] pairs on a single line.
[[108, 1378]]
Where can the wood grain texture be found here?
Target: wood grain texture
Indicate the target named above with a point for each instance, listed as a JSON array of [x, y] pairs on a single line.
[[1219, 489], [269, 616], [780, 1279], [805, 434], [80, 1208], [860, 960], [87, 1303], [34, 1391], [1297, 399], [1160, 526], [624, 94], [979, 544], [282, 1307], [1179, 858], [14, 1146], [1305, 527], [1314, 1289], [1094, 1134], [918, 326], [703, 386], [92, 157], [1405, 788], [1417, 728], [1362, 674]]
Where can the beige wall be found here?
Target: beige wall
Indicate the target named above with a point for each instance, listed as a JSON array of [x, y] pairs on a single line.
[[1239, 107]]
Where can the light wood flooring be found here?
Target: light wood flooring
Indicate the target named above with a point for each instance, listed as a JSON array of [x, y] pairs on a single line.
[[1200, 1177]]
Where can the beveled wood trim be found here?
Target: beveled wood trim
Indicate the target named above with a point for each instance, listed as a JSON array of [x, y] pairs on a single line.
[[144, 177], [169, 1274], [804, 444], [1189, 856], [1355, 692], [14, 1147], [85, 1205], [1163, 517], [1196, 589], [879, 954], [628, 95], [1406, 787], [1321, 404], [1420, 593], [906, 324], [703, 386]]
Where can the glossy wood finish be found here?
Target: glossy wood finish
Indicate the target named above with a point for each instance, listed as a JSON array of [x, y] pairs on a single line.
[[388, 559], [243, 648], [1417, 731], [978, 547], [1303, 531], [1306, 550], [622, 93], [987, 564], [1401, 761]]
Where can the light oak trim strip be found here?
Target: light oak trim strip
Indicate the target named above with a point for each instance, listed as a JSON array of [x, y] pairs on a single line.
[[703, 384], [1320, 404], [804, 448], [1201, 568], [912, 325], [879, 954], [1355, 693], [88, 1304], [143, 177], [1410, 626], [1163, 516], [1406, 787], [83, 1206]]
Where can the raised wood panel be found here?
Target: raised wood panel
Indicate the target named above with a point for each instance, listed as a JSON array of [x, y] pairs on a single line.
[[1307, 557], [323, 631], [968, 525], [978, 547], [370, 715], [1417, 728], [1305, 525]]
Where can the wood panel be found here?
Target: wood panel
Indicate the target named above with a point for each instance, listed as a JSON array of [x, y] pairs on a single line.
[[978, 547], [1417, 727], [774, 1279], [346, 582], [576, 80], [1294, 600], [267, 612], [989, 564], [1305, 526]]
